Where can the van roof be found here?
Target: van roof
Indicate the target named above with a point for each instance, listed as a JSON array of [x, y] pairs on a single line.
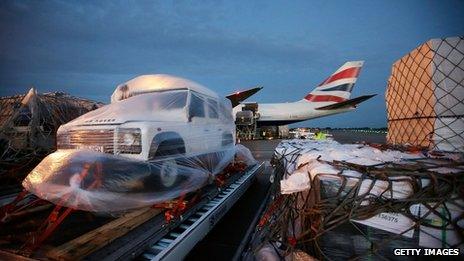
[[157, 82]]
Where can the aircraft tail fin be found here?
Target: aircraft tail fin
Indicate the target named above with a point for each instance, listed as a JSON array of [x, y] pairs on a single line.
[[338, 86]]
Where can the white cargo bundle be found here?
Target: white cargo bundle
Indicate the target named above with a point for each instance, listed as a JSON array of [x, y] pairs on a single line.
[[314, 153], [399, 186]]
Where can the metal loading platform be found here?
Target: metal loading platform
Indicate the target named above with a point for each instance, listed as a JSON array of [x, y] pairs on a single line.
[[177, 243]]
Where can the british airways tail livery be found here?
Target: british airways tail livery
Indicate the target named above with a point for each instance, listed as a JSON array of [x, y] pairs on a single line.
[[330, 97]]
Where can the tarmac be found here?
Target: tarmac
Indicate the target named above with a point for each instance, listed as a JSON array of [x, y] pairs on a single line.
[[227, 237]]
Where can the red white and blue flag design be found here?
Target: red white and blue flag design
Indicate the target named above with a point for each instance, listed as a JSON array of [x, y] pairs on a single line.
[[338, 86]]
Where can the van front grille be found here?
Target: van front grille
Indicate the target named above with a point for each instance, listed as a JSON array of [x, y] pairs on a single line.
[[98, 140]]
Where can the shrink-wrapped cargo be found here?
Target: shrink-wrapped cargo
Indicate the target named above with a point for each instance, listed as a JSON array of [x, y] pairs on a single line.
[[161, 137], [28, 125], [356, 201]]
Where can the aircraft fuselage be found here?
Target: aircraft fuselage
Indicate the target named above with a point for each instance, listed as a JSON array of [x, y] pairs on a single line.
[[276, 114]]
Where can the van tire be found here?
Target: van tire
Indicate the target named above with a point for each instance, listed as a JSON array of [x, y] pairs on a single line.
[[169, 172], [169, 168]]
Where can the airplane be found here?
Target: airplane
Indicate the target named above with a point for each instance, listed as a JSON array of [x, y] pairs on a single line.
[[330, 97]]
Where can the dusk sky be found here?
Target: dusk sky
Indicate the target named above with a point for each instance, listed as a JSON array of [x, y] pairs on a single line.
[[86, 48]]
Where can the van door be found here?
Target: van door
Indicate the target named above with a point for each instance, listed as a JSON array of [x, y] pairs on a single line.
[[216, 126], [227, 122], [199, 131]]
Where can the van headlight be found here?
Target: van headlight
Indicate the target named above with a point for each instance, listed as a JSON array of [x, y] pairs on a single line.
[[129, 141], [129, 138]]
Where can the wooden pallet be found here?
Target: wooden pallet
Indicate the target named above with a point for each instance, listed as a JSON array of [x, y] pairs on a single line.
[[96, 239]]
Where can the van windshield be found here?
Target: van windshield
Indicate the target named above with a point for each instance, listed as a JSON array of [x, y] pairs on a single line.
[[158, 106], [158, 101]]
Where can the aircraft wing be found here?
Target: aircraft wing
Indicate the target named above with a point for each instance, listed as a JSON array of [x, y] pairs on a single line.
[[240, 96], [347, 103]]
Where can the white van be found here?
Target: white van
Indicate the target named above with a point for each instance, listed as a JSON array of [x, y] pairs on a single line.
[[155, 117]]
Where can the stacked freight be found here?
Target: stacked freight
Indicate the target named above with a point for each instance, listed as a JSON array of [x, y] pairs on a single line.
[[338, 202], [425, 96], [28, 125]]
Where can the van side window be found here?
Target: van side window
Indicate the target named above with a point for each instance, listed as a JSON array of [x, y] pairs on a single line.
[[213, 109], [197, 106], [226, 109]]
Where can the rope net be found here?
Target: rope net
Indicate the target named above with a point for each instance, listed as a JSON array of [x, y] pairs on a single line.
[[28, 124], [425, 96], [409, 204]]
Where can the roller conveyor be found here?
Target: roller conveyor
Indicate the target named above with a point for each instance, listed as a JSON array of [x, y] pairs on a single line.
[[178, 242]]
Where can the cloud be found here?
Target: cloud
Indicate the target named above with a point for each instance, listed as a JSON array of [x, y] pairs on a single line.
[[64, 37], [88, 47]]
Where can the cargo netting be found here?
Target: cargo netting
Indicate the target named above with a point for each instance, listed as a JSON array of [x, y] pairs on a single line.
[[28, 125], [348, 210], [425, 96]]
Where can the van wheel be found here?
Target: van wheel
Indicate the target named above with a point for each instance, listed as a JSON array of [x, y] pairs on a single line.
[[169, 172]]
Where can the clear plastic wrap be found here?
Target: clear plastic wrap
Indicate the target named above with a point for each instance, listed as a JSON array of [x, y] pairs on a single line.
[[156, 82], [99, 182], [244, 154], [141, 150], [356, 201]]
